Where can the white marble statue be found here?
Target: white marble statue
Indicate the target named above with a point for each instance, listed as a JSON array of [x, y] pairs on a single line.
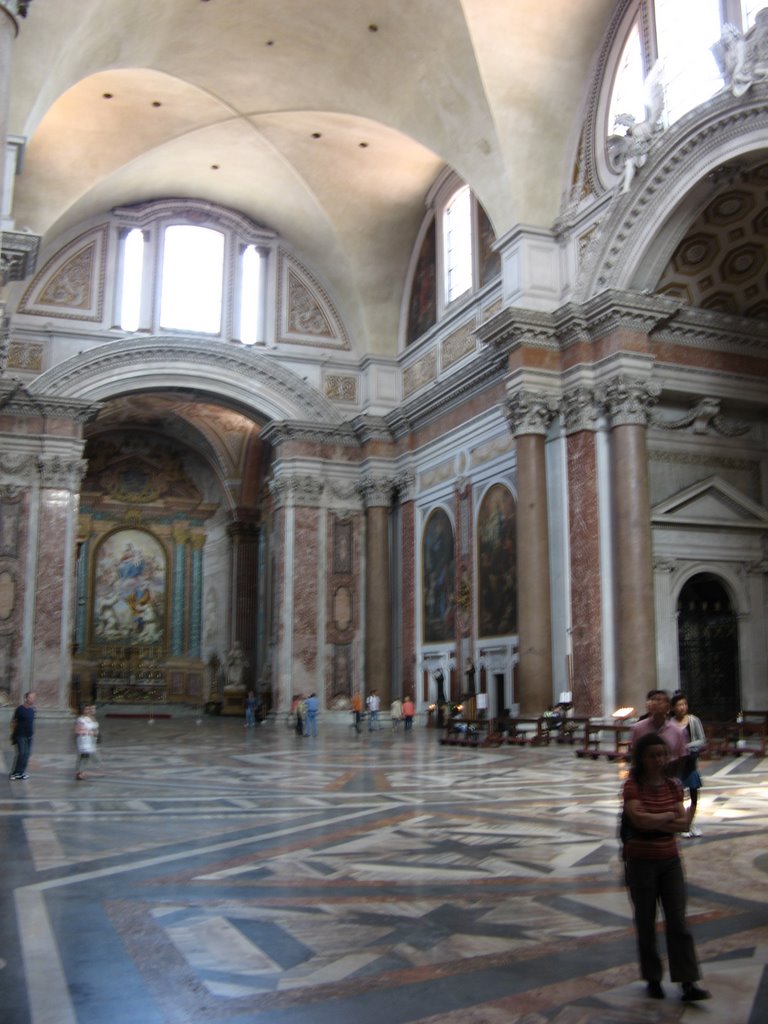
[[631, 149], [237, 663]]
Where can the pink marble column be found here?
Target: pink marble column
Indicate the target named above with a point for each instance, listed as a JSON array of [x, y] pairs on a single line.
[[377, 495], [529, 415], [627, 402], [584, 552]]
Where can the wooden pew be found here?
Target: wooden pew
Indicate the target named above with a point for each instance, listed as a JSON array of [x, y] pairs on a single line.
[[593, 747]]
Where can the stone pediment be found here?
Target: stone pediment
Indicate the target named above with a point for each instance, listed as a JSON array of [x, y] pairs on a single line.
[[711, 502]]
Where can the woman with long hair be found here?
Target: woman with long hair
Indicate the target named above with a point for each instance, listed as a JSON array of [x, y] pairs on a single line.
[[696, 740], [653, 804]]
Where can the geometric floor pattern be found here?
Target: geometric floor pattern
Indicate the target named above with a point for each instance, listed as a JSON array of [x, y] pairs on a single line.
[[209, 873]]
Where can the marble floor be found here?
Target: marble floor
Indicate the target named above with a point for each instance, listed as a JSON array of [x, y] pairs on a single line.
[[210, 873]]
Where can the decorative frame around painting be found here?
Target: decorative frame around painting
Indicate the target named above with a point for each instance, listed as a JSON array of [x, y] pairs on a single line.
[[129, 589], [438, 578]]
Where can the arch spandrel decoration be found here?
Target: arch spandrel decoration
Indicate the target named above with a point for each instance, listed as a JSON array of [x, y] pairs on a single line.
[[70, 286], [305, 313], [253, 380]]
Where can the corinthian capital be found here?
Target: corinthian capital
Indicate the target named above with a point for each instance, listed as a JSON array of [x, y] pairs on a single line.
[[580, 409], [62, 474], [297, 489], [530, 412], [376, 491], [627, 401]]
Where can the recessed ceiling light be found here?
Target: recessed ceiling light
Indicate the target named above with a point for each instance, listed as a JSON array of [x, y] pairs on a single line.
[[270, 42], [373, 28], [363, 145], [214, 167], [317, 135], [107, 95], [156, 103]]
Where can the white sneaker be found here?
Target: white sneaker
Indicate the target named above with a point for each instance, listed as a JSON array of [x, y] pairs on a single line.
[[694, 832]]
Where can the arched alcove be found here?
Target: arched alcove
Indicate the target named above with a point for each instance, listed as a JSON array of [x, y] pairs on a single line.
[[708, 648]]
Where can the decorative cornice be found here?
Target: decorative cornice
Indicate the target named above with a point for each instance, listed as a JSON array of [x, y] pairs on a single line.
[[372, 428], [17, 400], [280, 432], [530, 412], [488, 368], [701, 328], [628, 401], [514, 326], [18, 255], [614, 310]]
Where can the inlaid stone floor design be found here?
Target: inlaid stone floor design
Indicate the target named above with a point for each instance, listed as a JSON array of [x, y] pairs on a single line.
[[209, 873]]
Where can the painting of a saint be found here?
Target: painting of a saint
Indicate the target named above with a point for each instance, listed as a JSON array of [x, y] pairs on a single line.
[[129, 589], [438, 566], [497, 563]]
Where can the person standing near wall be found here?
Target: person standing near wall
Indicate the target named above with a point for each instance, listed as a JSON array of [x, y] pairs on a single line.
[[250, 710], [86, 738], [22, 731], [374, 705]]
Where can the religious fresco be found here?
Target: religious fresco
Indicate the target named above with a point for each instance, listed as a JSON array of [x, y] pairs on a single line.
[[129, 586], [497, 563], [422, 309], [438, 575]]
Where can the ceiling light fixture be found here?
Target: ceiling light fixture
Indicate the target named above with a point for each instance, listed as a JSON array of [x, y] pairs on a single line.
[[373, 28], [107, 96], [317, 135]]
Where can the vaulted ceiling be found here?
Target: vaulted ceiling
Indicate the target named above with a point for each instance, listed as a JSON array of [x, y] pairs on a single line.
[[326, 121]]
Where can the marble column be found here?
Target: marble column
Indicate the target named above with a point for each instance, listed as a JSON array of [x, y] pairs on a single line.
[[377, 498], [244, 537], [178, 590], [408, 588], [580, 413], [530, 414], [627, 401], [197, 543]]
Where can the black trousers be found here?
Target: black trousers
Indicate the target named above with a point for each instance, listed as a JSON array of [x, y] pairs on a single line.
[[662, 881]]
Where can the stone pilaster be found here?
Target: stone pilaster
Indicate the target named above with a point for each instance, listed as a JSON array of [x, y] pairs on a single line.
[[244, 539]]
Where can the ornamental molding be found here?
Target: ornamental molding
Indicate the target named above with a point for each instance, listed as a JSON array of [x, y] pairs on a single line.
[[703, 417], [18, 255], [513, 327], [17, 399], [488, 369], [256, 380], [627, 401], [614, 310], [277, 433], [195, 212], [688, 151], [298, 489], [530, 412], [22, 468], [372, 428], [706, 329]]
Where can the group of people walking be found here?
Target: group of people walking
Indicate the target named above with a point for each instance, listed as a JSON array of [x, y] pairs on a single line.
[[399, 711]]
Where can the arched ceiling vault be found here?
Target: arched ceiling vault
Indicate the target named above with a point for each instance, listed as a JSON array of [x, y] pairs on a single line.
[[327, 122]]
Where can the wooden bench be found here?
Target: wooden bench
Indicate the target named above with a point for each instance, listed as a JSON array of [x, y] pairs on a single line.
[[464, 732], [593, 747], [571, 730]]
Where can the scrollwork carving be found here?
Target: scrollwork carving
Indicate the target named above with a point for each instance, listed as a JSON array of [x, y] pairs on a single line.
[[703, 416]]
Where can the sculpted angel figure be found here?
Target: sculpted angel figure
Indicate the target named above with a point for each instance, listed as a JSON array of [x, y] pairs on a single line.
[[633, 147], [739, 64]]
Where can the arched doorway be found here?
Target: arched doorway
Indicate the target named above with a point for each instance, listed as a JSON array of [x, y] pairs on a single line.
[[708, 647]]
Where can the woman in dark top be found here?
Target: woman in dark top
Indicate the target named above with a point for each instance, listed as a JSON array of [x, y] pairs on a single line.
[[653, 804]]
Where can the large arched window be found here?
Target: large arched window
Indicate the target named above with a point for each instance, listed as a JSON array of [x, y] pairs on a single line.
[[456, 255], [176, 273], [680, 36]]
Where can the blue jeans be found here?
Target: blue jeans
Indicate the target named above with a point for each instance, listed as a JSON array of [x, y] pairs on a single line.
[[311, 726], [23, 750], [373, 721]]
